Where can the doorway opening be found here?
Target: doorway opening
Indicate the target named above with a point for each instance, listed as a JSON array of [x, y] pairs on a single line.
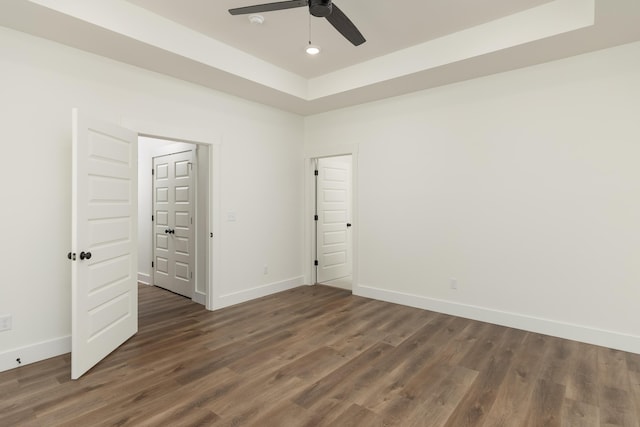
[[105, 231], [173, 201], [333, 221]]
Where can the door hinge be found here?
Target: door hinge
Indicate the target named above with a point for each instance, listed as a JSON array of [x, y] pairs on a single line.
[[315, 217], [153, 171], [210, 234], [315, 172], [191, 274], [151, 264], [151, 217], [192, 220], [315, 263]]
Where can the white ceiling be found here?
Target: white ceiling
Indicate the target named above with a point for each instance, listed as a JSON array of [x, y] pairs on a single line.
[[411, 44], [387, 25]]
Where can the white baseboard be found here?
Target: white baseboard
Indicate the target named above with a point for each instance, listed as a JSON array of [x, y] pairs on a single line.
[[611, 339], [144, 278], [199, 297], [257, 292], [34, 353]]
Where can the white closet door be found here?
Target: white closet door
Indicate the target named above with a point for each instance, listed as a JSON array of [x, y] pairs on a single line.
[[334, 257], [173, 206]]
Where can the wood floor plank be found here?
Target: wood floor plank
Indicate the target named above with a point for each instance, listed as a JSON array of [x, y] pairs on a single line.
[[546, 404], [412, 384], [21, 416], [402, 406], [484, 347], [558, 360], [250, 402], [476, 404], [406, 323], [582, 377], [35, 391], [314, 365], [322, 388], [355, 416], [118, 409], [616, 408], [414, 358], [612, 366], [317, 356], [283, 412], [515, 393], [633, 362], [323, 413], [440, 405], [615, 393], [579, 414], [634, 381]]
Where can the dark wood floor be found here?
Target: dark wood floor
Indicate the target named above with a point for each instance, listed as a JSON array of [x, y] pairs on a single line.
[[317, 356]]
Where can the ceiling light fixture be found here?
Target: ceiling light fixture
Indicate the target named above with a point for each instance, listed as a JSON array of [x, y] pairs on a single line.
[[311, 49], [256, 19]]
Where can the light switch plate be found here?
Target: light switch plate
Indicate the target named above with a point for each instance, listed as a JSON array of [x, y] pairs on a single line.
[[5, 322]]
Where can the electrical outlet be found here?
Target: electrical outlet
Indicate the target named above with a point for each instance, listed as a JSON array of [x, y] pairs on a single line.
[[453, 283], [5, 322]]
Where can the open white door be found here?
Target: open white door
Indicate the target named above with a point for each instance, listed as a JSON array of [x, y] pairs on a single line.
[[104, 310], [334, 213]]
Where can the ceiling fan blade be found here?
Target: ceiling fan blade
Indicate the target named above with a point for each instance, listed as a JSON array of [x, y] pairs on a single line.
[[345, 27], [259, 8]]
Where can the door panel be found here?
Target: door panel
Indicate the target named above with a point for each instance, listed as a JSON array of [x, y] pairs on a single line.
[[104, 224], [334, 211], [174, 228]]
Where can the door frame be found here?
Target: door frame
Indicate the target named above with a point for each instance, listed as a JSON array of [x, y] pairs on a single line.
[[310, 155], [213, 141]]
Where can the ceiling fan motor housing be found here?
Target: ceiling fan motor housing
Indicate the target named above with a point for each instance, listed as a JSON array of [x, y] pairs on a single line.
[[320, 8]]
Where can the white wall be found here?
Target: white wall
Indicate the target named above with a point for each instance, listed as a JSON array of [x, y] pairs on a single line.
[[522, 186], [260, 174]]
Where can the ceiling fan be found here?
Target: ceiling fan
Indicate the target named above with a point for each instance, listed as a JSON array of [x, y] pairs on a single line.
[[319, 8]]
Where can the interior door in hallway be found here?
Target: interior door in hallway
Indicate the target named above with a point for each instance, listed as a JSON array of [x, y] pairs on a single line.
[[333, 198], [104, 239], [173, 207]]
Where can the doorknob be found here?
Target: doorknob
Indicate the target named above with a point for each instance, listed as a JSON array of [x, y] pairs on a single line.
[[85, 255], [348, 224], [170, 231]]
